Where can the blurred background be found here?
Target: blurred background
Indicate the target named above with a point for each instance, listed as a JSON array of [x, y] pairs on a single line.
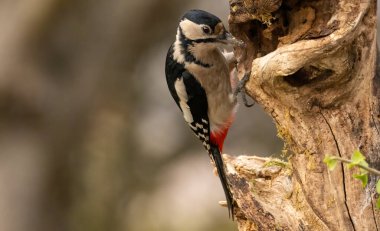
[[90, 138]]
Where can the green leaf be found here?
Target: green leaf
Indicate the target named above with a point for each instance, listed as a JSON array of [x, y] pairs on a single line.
[[378, 187], [378, 203], [330, 162], [363, 163], [363, 178], [362, 170], [356, 158]]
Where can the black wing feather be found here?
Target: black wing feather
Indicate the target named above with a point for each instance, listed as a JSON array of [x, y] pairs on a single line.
[[197, 99], [173, 70]]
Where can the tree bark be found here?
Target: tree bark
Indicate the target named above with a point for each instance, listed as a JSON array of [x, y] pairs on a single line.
[[313, 69]]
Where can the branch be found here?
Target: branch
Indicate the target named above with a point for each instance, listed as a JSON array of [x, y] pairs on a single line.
[[347, 161], [267, 195]]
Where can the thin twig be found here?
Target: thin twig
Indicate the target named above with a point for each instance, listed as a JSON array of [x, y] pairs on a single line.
[[371, 170]]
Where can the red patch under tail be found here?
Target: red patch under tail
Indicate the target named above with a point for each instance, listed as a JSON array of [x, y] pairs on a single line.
[[218, 137]]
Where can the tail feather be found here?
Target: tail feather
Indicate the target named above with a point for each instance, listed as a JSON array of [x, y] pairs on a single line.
[[217, 157]]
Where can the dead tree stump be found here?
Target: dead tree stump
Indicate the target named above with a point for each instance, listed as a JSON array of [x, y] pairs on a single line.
[[313, 69]]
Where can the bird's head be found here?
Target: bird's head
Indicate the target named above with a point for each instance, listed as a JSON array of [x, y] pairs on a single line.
[[201, 27]]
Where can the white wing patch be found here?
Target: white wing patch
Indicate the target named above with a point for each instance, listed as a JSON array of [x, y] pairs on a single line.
[[202, 132], [182, 95], [177, 50]]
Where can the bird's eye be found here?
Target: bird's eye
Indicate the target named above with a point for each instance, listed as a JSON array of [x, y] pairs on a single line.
[[206, 29]]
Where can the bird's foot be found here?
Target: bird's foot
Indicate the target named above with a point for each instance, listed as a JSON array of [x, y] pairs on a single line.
[[241, 89]]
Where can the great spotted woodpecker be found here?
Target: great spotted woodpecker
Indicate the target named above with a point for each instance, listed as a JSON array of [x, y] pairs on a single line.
[[198, 77]]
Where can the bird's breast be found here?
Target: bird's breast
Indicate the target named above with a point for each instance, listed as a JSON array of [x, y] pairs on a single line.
[[216, 82]]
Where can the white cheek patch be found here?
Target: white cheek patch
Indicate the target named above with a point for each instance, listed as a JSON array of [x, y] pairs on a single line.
[[193, 31], [182, 95], [190, 29]]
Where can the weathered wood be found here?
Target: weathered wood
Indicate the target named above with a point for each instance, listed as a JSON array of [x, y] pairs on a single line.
[[312, 68]]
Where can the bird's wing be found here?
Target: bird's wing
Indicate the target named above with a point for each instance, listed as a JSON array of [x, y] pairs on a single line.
[[190, 97], [194, 106]]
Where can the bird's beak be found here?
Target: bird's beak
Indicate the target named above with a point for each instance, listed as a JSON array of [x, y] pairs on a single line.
[[228, 39]]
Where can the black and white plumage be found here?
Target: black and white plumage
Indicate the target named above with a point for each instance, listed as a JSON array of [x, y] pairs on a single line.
[[198, 78]]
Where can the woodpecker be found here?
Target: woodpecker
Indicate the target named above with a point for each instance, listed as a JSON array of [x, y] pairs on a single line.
[[198, 77]]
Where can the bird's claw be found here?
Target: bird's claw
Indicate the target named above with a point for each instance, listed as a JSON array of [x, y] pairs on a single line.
[[241, 89]]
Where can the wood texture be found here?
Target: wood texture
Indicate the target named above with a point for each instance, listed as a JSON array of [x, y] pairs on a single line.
[[312, 67]]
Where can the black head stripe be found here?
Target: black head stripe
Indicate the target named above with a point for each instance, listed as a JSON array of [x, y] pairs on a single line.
[[208, 40], [202, 17], [185, 43]]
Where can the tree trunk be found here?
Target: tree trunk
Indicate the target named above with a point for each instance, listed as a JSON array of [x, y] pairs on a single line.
[[313, 69]]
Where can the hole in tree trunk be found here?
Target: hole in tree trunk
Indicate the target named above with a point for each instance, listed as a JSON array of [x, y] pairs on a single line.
[[307, 75]]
